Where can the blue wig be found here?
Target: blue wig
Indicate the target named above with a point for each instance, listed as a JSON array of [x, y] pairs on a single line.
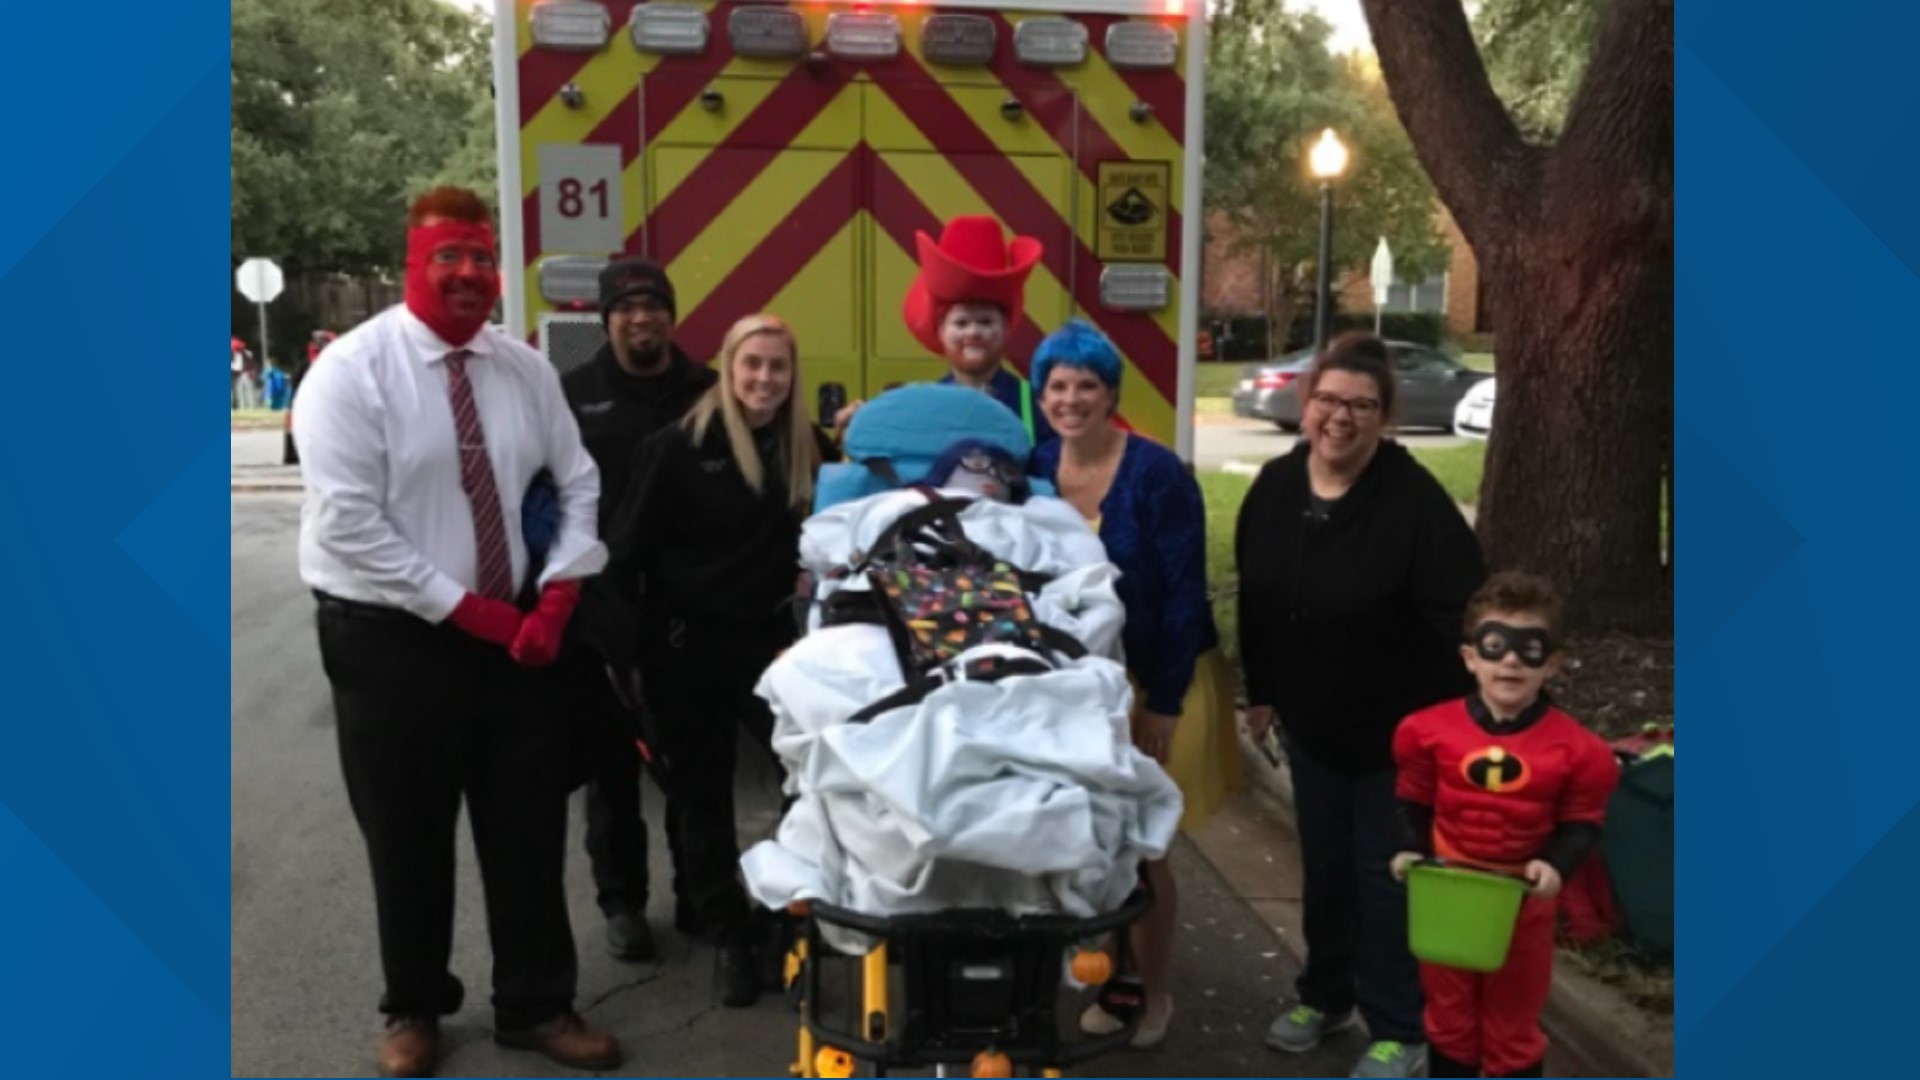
[[1077, 345]]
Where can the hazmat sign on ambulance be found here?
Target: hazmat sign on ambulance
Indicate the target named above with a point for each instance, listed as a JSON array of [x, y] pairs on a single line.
[[1133, 210], [782, 156]]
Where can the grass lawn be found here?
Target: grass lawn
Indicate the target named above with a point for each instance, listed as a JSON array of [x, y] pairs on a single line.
[[1456, 467], [1215, 379], [1223, 493], [1478, 361]]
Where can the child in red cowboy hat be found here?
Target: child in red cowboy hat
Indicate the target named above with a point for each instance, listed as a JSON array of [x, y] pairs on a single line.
[[964, 305]]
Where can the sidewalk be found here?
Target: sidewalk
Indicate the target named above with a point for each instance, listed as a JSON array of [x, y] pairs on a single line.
[[1253, 844], [254, 463]]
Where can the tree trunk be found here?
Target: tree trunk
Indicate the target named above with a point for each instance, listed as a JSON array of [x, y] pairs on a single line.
[[1575, 244]]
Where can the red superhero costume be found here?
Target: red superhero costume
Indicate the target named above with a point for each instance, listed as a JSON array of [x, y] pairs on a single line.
[[1501, 795]]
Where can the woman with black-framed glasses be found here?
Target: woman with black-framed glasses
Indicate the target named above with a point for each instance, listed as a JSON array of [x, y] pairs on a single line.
[[1355, 566]]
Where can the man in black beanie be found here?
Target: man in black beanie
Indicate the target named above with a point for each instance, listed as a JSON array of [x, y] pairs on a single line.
[[638, 383]]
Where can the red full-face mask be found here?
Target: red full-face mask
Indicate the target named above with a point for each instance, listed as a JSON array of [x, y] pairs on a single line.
[[453, 278]]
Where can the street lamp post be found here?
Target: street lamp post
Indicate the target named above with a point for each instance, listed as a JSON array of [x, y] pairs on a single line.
[[1329, 160]]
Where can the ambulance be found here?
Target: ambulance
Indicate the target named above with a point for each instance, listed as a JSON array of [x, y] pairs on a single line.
[[780, 157]]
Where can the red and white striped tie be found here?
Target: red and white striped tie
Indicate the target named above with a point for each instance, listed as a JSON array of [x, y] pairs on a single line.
[[492, 556]]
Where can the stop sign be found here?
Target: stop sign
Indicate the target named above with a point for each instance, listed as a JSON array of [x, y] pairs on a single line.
[[259, 280]]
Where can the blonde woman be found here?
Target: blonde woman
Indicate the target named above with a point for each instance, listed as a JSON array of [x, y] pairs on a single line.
[[708, 540]]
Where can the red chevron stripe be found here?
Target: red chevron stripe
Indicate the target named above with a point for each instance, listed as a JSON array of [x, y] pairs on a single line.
[[1164, 90], [1013, 199], [775, 261], [621, 126], [544, 71], [1031, 86], [720, 178]]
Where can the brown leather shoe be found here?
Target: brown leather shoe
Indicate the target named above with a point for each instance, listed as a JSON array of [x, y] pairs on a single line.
[[411, 1046], [568, 1040]]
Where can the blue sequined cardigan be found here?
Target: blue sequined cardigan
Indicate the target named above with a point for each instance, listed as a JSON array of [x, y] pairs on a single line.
[[1154, 524]]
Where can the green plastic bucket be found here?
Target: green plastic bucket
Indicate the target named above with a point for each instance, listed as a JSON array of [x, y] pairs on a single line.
[[1461, 918]]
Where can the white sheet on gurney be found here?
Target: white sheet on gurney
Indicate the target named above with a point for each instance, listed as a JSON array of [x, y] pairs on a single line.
[[1024, 795], [1041, 536]]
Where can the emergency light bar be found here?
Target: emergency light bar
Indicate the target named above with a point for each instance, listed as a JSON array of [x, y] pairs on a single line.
[[1048, 42], [570, 25], [1142, 46], [860, 36], [767, 32], [571, 280], [1135, 288], [958, 40], [670, 29]]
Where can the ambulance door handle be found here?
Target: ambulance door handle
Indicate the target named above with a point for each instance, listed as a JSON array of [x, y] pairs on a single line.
[[1012, 110], [1140, 111], [712, 100]]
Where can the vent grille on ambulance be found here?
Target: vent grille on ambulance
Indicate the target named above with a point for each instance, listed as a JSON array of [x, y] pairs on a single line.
[[569, 339]]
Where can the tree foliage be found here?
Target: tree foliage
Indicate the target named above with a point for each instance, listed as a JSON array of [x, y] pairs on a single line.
[[1536, 54], [1272, 87], [344, 109]]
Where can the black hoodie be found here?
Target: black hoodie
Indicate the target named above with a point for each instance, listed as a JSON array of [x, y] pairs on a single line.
[[617, 411], [1348, 625], [694, 541]]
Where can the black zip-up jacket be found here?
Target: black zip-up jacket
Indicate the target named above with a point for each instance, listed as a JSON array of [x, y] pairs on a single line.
[[694, 542], [617, 412], [1349, 625]]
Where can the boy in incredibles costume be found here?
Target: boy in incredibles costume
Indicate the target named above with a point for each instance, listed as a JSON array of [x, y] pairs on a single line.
[[1504, 781]]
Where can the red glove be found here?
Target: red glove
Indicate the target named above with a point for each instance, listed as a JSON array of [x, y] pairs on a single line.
[[489, 620], [538, 642]]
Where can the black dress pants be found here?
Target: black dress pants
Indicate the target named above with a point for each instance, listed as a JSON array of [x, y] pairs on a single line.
[[699, 681], [429, 717], [616, 825]]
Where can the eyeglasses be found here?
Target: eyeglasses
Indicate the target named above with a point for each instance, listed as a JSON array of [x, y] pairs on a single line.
[[985, 464], [1360, 408], [454, 256], [1494, 640]]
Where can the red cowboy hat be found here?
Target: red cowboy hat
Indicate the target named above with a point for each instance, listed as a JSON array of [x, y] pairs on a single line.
[[972, 262]]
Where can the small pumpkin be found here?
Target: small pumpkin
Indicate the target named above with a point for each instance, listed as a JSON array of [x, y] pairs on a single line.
[[833, 1062], [992, 1063], [1092, 967]]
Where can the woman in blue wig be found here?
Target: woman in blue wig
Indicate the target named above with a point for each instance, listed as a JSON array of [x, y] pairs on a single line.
[[1147, 509]]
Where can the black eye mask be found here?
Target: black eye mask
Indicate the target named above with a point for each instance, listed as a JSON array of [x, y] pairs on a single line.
[[1494, 640]]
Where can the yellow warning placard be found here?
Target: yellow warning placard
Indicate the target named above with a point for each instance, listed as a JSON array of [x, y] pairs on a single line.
[[1133, 210]]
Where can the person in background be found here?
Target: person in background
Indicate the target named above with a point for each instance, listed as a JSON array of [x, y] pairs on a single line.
[[636, 384], [418, 438], [1148, 511], [1355, 567]]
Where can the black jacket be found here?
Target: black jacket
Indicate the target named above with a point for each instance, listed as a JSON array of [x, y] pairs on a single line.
[[1349, 625], [617, 412], [693, 541]]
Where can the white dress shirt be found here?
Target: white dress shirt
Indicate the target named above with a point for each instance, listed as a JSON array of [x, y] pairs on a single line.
[[386, 520]]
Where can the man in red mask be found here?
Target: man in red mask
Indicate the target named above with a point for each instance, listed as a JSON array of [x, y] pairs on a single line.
[[418, 439]]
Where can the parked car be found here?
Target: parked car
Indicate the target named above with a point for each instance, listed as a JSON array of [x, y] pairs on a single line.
[[1431, 385], [1473, 417]]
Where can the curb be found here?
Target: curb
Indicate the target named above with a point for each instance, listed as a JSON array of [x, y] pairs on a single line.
[[268, 487], [1591, 1026]]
